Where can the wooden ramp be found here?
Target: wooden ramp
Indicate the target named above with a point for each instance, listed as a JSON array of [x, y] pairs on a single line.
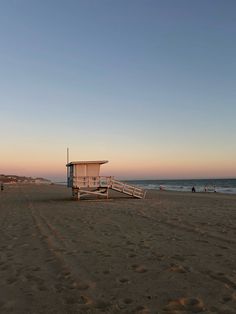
[[127, 189]]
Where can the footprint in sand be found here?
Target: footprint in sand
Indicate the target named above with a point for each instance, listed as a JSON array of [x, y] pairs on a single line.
[[132, 255], [71, 300], [42, 288], [129, 243], [106, 272], [4, 267], [11, 280], [86, 252], [66, 274], [141, 310], [84, 299], [123, 280], [178, 269], [179, 258], [50, 259], [80, 285], [128, 301], [203, 241], [234, 296], [226, 298], [139, 268], [223, 247], [192, 305], [59, 287], [106, 255], [102, 305], [35, 268]]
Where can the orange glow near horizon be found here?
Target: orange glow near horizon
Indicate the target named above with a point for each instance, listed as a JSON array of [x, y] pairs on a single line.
[[131, 172], [126, 167]]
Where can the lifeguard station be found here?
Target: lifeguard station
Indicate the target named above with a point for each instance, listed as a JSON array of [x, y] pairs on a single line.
[[84, 179]]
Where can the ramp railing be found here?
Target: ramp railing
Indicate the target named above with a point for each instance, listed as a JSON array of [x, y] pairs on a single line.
[[106, 182], [127, 189]]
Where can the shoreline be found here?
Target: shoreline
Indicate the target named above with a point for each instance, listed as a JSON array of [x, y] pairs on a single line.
[[146, 189], [189, 192]]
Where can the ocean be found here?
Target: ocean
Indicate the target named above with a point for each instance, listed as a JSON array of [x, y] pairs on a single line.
[[211, 185], [227, 186]]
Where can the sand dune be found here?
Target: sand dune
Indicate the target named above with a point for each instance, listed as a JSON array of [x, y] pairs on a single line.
[[170, 253]]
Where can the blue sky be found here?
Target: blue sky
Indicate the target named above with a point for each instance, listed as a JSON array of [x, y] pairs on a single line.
[[149, 85]]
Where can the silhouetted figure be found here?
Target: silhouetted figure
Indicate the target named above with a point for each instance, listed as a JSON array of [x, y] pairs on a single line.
[[2, 187], [193, 189]]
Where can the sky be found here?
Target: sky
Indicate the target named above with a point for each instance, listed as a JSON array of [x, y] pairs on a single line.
[[149, 85]]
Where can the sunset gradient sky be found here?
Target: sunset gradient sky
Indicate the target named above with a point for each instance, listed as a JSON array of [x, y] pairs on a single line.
[[148, 85]]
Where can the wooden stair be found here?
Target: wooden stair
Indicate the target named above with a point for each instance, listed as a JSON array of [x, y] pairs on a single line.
[[127, 189]]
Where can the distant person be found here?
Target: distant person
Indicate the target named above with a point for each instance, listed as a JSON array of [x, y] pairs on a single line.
[[214, 189], [205, 189], [2, 187], [161, 188], [193, 189]]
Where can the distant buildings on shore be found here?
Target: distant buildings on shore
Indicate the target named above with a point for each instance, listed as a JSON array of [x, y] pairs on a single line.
[[12, 179]]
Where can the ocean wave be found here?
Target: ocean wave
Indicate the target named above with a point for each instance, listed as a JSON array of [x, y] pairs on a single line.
[[227, 186]]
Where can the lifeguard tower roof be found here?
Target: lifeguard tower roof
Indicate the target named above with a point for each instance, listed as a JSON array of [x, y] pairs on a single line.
[[100, 162]]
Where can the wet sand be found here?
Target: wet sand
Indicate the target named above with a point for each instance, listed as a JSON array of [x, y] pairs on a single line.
[[170, 253]]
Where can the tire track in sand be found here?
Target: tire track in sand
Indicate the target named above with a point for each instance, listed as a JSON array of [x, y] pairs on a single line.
[[82, 287]]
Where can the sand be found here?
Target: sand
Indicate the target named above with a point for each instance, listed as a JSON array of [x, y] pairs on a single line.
[[170, 253]]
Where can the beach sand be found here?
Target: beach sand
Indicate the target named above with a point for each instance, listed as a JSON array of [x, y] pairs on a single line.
[[169, 253]]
